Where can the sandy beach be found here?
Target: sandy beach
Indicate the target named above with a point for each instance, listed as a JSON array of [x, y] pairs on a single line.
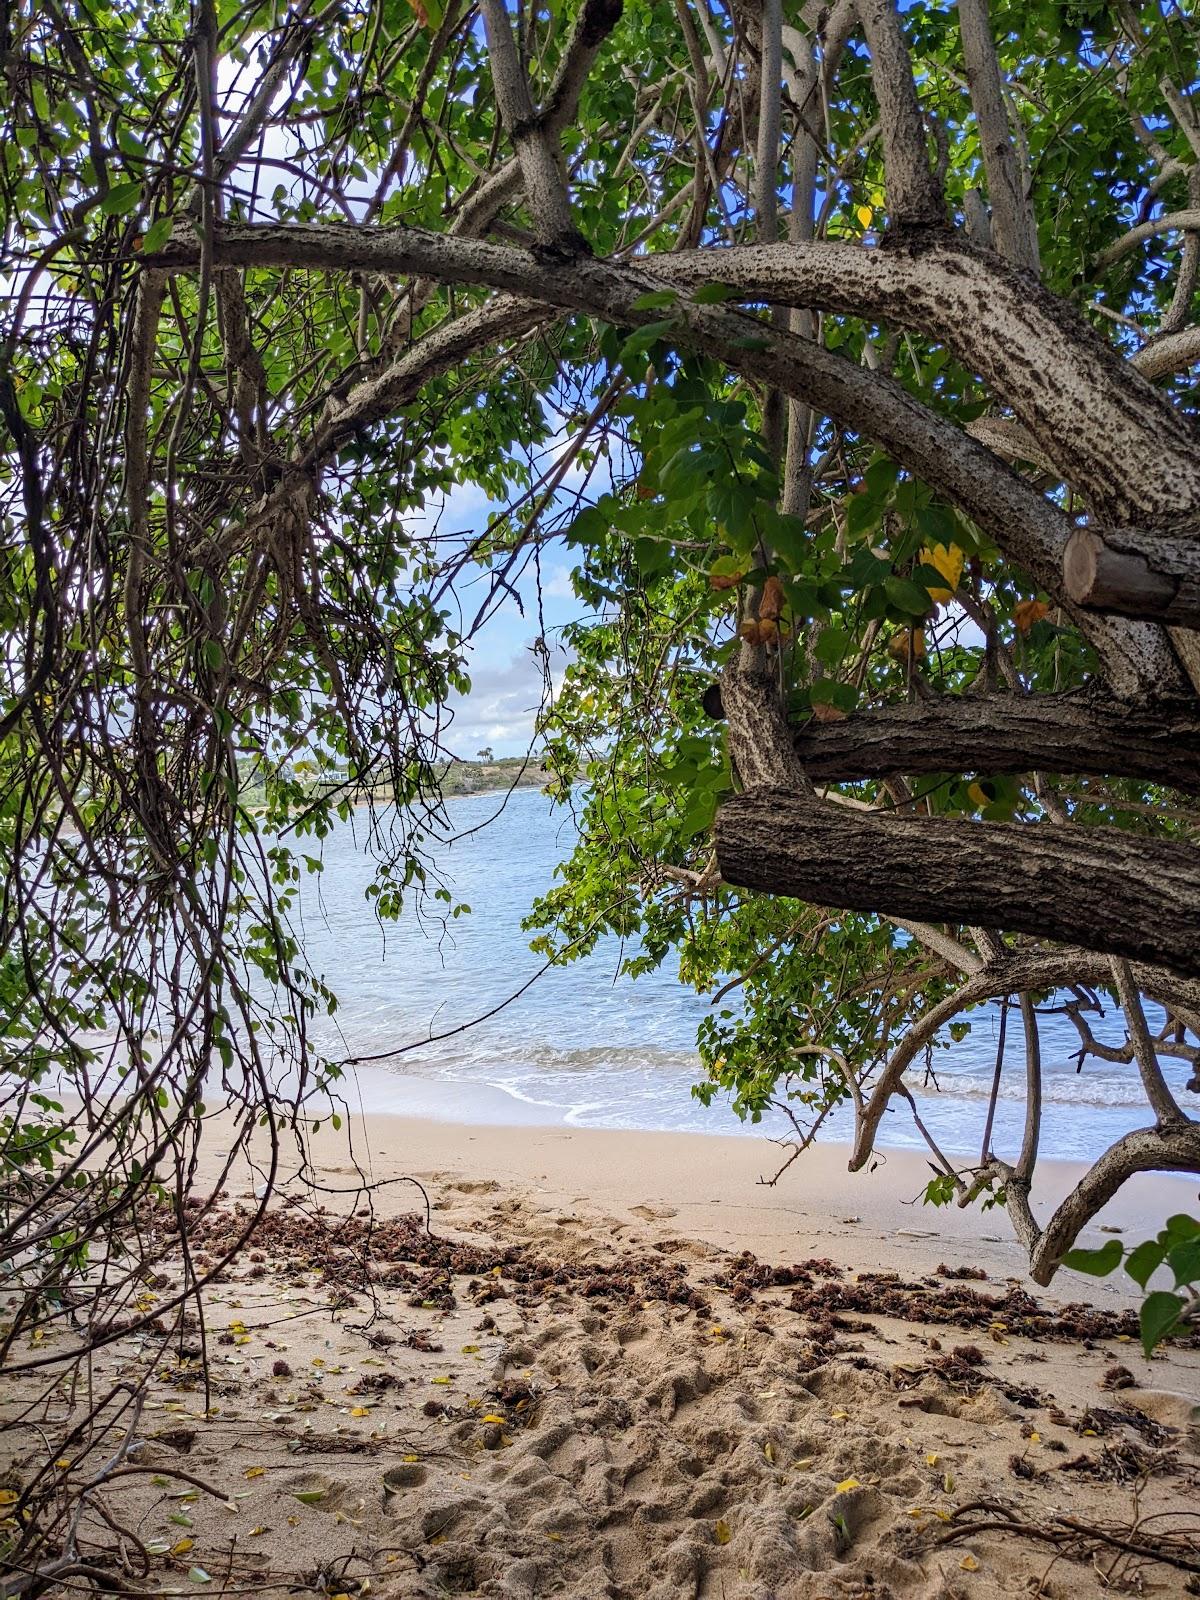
[[619, 1366]]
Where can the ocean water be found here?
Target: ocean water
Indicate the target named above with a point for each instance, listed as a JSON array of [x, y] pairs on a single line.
[[586, 1046]]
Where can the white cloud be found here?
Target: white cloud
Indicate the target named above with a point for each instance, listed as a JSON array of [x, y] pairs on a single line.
[[504, 701]]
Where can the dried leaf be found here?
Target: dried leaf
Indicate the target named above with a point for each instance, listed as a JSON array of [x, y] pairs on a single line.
[[824, 712], [931, 1460], [360, 1411], [198, 1575], [846, 1485], [722, 1532], [1027, 612], [182, 1546], [310, 1497], [254, 1472], [771, 604], [969, 1563]]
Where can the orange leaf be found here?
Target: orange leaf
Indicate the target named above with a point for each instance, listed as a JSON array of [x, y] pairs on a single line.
[[826, 713], [1028, 612], [771, 603]]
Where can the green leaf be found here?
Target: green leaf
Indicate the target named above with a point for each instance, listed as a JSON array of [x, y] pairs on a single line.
[[156, 236], [1160, 1313], [907, 596], [642, 339], [712, 294], [1096, 1263], [1143, 1260], [1180, 1227], [655, 300], [1184, 1262], [121, 198]]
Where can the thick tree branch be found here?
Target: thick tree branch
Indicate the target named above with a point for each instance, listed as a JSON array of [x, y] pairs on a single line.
[[1169, 222], [1030, 528], [1173, 353], [1013, 231], [914, 197], [1008, 733], [540, 162], [1109, 433], [1129, 896], [1175, 1149], [1136, 573]]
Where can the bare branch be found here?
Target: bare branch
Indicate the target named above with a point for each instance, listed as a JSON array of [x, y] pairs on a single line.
[[540, 162], [1162, 1101], [1013, 231]]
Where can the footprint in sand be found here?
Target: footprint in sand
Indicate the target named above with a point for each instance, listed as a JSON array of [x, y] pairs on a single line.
[[654, 1213]]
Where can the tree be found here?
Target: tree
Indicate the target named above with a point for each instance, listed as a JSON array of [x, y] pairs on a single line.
[[486, 753], [868, 335]]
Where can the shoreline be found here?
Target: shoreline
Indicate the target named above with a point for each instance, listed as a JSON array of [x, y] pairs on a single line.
[[712, 1188]]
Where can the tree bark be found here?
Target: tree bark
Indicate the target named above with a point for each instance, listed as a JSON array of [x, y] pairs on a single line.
[[1135, 898], [1135, 573], [1008, 733]]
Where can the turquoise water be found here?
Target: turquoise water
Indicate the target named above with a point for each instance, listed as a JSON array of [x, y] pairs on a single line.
[[586, 1046]]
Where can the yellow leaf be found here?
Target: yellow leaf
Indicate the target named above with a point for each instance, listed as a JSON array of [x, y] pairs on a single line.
[[769, 1451], [493, 1417], [470, 1349], [360, 1411], [931, 1459], [948, 560], [979, 795], [182, 1546], [63, 1464], [255, 1531], [1035, 1437], [555, 1538], [8, 1497], [846, 1485], [839, 1416], [969, 1563], [254, 1472], [865, 215], [439, 1380], [722, 1533]]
